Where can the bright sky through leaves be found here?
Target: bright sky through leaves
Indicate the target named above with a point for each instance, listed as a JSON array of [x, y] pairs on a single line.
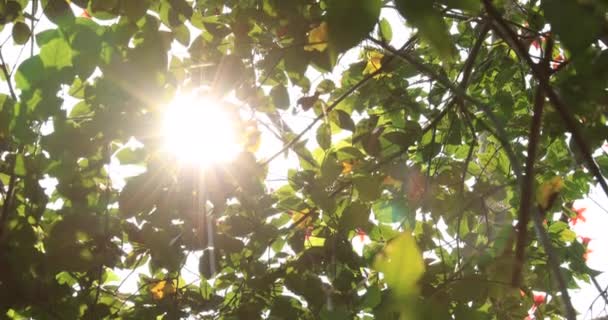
[[198, 131], [375, 170]]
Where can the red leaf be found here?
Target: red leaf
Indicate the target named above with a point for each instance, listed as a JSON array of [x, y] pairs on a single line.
[[535, 44], [539, 298], [361, 233], [282, 31], [579, 216]]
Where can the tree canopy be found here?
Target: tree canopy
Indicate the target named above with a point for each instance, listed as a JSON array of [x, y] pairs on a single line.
[[454, 152]]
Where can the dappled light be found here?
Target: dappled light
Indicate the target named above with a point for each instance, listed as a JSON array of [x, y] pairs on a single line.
[[303, 159]]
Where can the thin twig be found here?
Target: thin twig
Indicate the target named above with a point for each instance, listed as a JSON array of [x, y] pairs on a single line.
[[500, 133], [599, 288], [7, 75], [33, 26], [334, 104]]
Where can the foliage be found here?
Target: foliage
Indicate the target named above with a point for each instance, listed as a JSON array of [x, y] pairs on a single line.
[[482, 119]]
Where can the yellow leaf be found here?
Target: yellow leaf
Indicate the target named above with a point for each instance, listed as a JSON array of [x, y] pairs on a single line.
[[374, 62], [548, 191], [317, 38], [251, 139], [314, 242], [402, 265], [298, 217], [161, 289], [347, 167], [388, 180]]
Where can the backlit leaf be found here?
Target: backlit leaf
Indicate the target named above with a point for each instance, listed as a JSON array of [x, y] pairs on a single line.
[[402, 265], [56, 54]]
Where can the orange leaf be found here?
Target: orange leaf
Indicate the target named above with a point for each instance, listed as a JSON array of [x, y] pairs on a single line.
[[586, 254], [347, 167], [317, 38]]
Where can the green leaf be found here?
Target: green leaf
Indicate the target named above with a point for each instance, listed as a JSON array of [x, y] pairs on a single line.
[[20, 169], [391, 211], [30, 73], [368, 187], [280, 97], [473, 6], [400, 139], [82, 108], [568, 235], [131, 156], [86, 46], [325, 86], [342, 119], [423, 16], [45, 36], [58, 11], [56, 54], [563, 14], [330, 169], [349, 22], [385, 31], [135, 9], [356, 215], [21, 33], [314, 242], [372, 297], [182, 34], [324, 136], [402, 265], [139, 194]]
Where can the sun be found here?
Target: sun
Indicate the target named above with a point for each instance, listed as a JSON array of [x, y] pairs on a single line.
[[197, 130]]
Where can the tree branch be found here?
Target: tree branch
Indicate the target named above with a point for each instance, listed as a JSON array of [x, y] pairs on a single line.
[[527, 186], [8, 200], [510, 37], [554, 264], [571, 123]]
